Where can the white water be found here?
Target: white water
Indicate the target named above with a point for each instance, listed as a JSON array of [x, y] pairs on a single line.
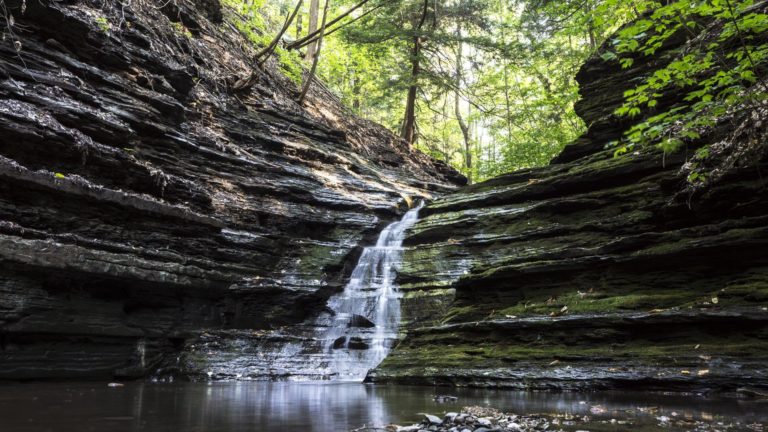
[[358, 345]]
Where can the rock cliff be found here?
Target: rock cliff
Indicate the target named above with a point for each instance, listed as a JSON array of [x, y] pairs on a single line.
[[142, 199], [596, 271]]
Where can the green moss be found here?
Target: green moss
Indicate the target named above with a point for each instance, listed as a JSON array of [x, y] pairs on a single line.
[[290, 64], [595, 303], [410, 294], [751, 289], [497, 355], [250, 11], [179, 28], [104, 24], [316, 257], [459, 313], [614, 294]]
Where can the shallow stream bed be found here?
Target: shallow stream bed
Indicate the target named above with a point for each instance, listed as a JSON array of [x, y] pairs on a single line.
[[291, 406]]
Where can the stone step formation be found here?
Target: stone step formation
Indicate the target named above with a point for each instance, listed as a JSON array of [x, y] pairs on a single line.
[[352, 336]]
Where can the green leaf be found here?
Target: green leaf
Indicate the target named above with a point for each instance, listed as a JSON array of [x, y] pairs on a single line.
[[748, 75]]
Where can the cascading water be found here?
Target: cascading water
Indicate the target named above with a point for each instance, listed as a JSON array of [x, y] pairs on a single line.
[[361, 323], [367, 312]]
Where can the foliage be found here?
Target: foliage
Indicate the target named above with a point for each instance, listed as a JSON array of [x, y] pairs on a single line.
[[715, 72], [511, 64], [179, 27], [517, 89], [104, 24]]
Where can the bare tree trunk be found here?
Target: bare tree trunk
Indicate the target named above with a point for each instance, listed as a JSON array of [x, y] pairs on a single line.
[[592, 37], [408, 132], [457, 107], [444, 113], [299, 25], [507, 101], [356, 91], [314, 11], [467, 139], [312, 71], [409, 120]]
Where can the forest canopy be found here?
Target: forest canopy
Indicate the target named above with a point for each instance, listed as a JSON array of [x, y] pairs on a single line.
[[489, 86]]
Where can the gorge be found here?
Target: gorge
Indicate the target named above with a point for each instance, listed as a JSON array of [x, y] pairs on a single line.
[[157, 223]]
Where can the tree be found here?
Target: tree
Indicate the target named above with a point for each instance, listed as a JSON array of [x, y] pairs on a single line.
[[408, 132], [316, 55], [457, 107], [314, 15]]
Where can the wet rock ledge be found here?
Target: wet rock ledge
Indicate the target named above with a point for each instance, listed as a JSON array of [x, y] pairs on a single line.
[[596, 271], [142, 199]]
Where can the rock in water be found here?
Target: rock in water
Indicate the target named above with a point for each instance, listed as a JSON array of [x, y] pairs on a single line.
[[360, 321]]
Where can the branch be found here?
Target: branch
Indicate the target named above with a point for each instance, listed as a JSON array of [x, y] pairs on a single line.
[[266, 52], [335, 29], [301, 42]]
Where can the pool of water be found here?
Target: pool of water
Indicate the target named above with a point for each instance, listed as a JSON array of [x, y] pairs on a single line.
[[290, 406]]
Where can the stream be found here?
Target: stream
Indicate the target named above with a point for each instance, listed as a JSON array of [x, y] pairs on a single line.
[[297, 406]]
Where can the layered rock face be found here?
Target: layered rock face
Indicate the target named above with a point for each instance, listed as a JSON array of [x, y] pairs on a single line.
[[142, 199], [596, 271]]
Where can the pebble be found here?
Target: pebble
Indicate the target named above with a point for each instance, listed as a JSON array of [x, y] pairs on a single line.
[[434, 420], [484, 419], [484, 422]]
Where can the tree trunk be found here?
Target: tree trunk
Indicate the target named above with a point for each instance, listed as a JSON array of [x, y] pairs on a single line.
[[314, 14], [467, 139], [507, 101], [311, 75], [299, 25], [356, 91], [457, 107], [409, 121], [408, 132]]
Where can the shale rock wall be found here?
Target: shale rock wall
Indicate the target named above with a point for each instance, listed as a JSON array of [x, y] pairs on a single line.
[[596, 271], [143, 199]]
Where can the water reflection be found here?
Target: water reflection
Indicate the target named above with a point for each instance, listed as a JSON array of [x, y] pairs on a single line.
[[286, 406]]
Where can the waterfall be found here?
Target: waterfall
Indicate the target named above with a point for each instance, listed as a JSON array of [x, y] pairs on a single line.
[[360, 324], [367, 312]]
